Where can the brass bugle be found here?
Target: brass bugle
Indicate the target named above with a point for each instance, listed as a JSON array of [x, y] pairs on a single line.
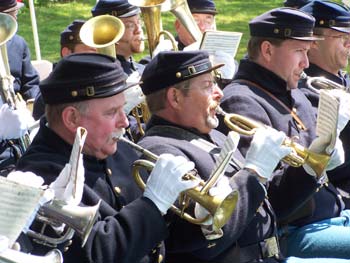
[[299, 156], [102, 32], [220, 208], [151, 14], [13, 256], [79, 220], [317, 83]]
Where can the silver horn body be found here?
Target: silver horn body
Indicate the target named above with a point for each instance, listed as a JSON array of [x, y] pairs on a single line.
[[79, 220], [13, 256], [317, 83]]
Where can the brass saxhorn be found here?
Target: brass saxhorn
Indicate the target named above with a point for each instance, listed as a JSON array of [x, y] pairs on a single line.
[[79, 220], [220, 209], [321, 83], [299, 156], [182, 12], [151, 14], [102, 32], [13, 256]]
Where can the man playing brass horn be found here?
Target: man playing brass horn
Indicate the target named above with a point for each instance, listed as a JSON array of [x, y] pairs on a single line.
[[86, 90], [183, 97], [328, 58], [132, 42], [309, 210]]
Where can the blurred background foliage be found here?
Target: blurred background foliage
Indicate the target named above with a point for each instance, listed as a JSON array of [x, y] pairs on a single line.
[[54, 15]]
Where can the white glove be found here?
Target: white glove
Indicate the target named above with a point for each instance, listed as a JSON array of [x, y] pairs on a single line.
[[221, 190], [229, 69], [265, 151], [320, 145], [4, 243], [133, 97], [165, 183], [337, 157], [26, 178], [65, 188], [15, 123], [163, 45], [344, 108]]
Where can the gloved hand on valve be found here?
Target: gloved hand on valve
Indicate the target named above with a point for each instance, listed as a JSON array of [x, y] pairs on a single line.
[[320, 145], [265, 152], [221, 189], [15, 123], [165, 182]]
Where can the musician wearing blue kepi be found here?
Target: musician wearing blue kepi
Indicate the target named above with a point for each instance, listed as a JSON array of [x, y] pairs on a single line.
[[26, 78], [265, 90], [203, 12], [86, 90], [132, 42], [25, 82], [183, 98], [329, 58], [70, 43]]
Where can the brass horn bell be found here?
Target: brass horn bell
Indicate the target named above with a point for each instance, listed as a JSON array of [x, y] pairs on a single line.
[[299, 156], [102, 32], [220, 208], [151, 14]]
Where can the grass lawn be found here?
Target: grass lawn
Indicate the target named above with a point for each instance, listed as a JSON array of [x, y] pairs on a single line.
[[53, 16]]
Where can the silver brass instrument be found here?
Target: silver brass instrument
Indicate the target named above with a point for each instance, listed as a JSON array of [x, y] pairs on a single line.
[[182, 12], [13, 256], [151, 13], [78, 219], [317, 83], [220, 209], [299, 156], [8, 28], [102, 32]]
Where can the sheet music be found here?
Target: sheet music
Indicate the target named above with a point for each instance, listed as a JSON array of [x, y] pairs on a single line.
[[74, 159], [17, 203], [225, 41], [327, 118], [346, 3], [229, 148]]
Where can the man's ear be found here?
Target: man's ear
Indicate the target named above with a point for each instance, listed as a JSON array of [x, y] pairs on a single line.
[[177, 25], [71, 118], [173, 97], [65, 51], [266, 49]]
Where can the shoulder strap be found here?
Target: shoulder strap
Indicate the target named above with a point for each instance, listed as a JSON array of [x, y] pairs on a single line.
[[291, 111], [194, 139]]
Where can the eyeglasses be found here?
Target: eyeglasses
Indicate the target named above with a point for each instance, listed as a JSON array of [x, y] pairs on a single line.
[[132, 26], [344, 38], [207, 22], [207, 85]]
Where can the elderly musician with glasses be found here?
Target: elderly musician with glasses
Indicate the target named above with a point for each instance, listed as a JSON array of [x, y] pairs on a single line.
[[132, 42], [329, 59], [183, 99]]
